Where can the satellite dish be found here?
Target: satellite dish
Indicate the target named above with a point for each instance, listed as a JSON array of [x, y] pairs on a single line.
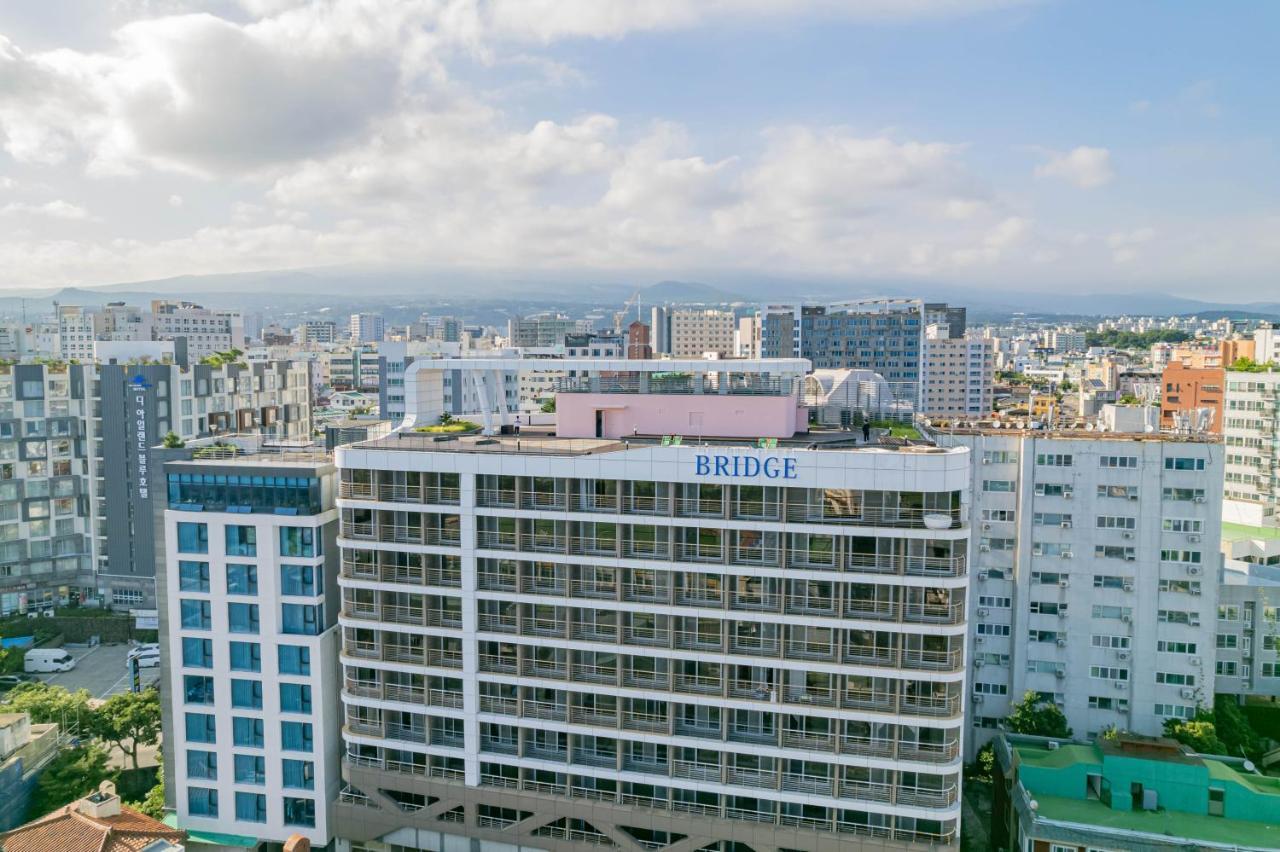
[[1249, 767], [1088, 427]]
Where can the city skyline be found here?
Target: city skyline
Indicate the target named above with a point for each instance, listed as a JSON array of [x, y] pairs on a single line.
[[994, 144]]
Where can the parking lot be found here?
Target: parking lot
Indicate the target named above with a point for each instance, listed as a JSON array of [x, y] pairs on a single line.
[[101, 670]]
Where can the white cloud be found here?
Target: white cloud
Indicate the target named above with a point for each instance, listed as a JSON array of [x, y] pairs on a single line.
[[175, 201], [57, 209], [1125, 244], [1084, 166]]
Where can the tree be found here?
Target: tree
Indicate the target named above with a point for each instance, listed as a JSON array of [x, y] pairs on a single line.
[[172, 441], [1234, 730], [445, 419], [73, 774], [549, 406], [129, 721], [55, 704], [1247, 365], [1198, 733], [1033, 715], [152, 804]]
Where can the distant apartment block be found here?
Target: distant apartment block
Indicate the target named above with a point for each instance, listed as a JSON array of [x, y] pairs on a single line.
[[1251, 432], [205, 331], [1095, 576], [959, 375], [696, 332], [366, 328], [1191, 398]]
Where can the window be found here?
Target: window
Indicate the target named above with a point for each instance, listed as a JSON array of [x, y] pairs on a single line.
[[1183, 464], [1051, 519], [985, 629], [301, 580], [1188, 557], [1102, 640], [1002, 515], [1050, 548], [300, 620], [193, 538], [251, 769], [1111, 551], [1004, 485], [1175, 679], [242, 617], [1193, 494], [1122, 492], [1167, 647], [242, 580], [998, 544], [197, 689], [1052, 489], [299, 811], [996, 601], [1226, 668], [1053, 459], [1228, 613], [246, 694], [299, 542], [1108, 581], [295, 698], [197, 653], [1047, 608], [1183, 587], [193, 576], [202, 765], [246, 657], [1183, 525], [251, 807], [1228, 641], [1126, 462], [1270, 670], [1108, 673], [1106, 702], [1047, 578], [991, 688], [202, 802], [1104, 611], [295, 736], [299, 774], [999, 457], [201, 728], [1117, 522], [294, 660], [242, 540], [1178, 616], [246, 732]]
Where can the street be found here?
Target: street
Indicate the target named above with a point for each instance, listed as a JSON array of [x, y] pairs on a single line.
[[100, 670]]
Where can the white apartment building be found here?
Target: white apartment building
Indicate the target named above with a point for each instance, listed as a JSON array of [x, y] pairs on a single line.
[[1248, 640], [316, 331], [367, 328], [695, 332], [206, 331], [1062, 340], [1251, 432], [1095, 576], [959, 374], [251, 646], [76, 333], [558, 639]]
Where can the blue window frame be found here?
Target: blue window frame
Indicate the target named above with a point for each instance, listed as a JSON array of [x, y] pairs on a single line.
[[201, 728], [299, 811], [197, 653], [202, 802], [251, 769], [300, 542], [193, 576], [294, 660], [193, 537], [295, 698], [298, 774], [301, 580], [195, 615], [246, 731], [300, 619], [202, 765], [242, 579], [246, 694], [197, 689], [295, 736], [242, 618], [241, 540], [251, 807], [246, 657]]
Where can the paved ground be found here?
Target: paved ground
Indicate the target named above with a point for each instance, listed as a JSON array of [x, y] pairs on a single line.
[[100, 670]]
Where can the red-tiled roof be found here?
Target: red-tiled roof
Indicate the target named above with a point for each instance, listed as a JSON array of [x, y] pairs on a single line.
[[69, 830]]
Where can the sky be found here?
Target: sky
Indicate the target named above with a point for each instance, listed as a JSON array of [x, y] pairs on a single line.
[[1007, 145]]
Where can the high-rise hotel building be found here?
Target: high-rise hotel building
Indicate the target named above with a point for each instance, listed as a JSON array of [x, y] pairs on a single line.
[[615, 633]]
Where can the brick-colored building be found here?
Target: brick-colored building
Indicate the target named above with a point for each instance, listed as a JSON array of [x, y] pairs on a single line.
[[1185, 389]]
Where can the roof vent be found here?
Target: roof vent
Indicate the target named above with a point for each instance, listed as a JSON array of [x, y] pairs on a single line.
[[102, 804]]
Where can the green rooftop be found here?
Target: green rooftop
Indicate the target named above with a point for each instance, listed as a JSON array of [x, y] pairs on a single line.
[[1235, 532], [211, 838], [1233, 832]]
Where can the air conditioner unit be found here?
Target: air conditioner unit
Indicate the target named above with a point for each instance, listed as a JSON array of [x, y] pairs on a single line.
[[1122, 655], [986, 460], [979, 663], [1193, 570], [1194, 622], [1193, 538], [1126, 618], [1186, 692], [1120, 684], [982, 576], [1128, 534], [1246, 684], [1066, 525], [1067, 494], [1059, 673], [1133, 497], [978, 640], [1195, 590], [1128, 587], [1062, 641], [1062, 612], [1066, 554], [1064, 581], [984, 548], [1195, 661], [1130, 557], [1197, 499], [986, 526], [983, 612], [978, 698]]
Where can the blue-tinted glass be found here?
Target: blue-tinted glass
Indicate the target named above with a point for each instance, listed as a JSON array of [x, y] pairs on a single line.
[[193, 538], [246, 657], [197, 653], [300, 620], [246, 731], [195, 615], [299, 811], [294, 660], [242, 541], [193, 576], [202, 802], [295, 698], [202, 765], [298, 541], [299, 580], [242, 580], [296, 736], [201, 728], [197, 689], [299, 774], [246, 694], [251, 807], [250, 769], [242, 617]]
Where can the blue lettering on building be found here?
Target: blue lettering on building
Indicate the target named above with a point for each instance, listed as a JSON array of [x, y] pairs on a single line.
[[745, 467]]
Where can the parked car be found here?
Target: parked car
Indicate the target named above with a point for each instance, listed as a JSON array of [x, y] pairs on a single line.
[[48, 660], [9, 681], [148, 658], [139, 650]]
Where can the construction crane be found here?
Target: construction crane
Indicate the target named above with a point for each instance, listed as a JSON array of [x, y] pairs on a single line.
[[621, 315]]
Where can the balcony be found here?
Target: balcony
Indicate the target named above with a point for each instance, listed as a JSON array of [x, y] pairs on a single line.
[[696, 771], [766, 779], [649, 722], [808, 740], [552, 710], [819, 785]]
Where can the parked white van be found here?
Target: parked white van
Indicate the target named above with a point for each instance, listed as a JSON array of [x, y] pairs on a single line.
[[48, 660]]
